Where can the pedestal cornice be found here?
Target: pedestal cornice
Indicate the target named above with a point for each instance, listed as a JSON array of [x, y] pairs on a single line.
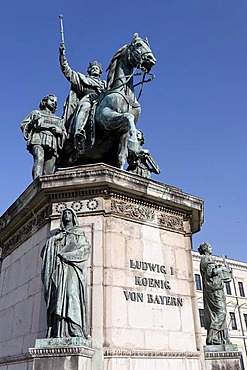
[[33, 207]]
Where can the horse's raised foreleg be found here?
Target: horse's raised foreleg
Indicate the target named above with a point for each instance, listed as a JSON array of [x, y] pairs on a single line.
[[122, 124]]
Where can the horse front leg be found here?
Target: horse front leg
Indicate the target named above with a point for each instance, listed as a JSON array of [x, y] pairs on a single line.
[[127, 140], [122, 124], [132, 141], [122, 151]]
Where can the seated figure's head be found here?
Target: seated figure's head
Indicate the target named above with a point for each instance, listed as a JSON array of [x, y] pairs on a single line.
[[94, 69]]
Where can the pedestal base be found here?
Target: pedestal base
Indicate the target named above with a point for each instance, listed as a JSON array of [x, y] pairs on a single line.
[[142, 302], [151, 360], [62, 353], [223, 357]]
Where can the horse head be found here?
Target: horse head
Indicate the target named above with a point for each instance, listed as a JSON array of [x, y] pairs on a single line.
[[140, 54]]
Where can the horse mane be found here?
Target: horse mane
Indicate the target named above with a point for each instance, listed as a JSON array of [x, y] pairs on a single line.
[[112, 66]]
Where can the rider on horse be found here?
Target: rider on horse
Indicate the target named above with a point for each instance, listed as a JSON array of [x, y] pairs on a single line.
[[84, 92]]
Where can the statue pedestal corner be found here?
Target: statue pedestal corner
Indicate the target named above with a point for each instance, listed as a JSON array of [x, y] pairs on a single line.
[[221, 357], [62, 353]]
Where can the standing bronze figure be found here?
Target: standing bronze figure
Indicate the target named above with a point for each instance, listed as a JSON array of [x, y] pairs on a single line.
[[64, 275], [45, 134], [213, 277], [141, 162]]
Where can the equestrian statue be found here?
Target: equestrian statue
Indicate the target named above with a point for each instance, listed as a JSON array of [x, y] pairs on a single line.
[[100, 117]]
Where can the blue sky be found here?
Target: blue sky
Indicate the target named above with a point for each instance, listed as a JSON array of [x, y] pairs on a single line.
[[194, 113]]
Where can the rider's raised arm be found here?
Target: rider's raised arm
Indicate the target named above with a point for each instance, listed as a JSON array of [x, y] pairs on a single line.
[[73, 77]]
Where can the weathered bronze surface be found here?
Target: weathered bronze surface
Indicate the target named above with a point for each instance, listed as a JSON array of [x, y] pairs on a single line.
[[83, 94], [101, 118], [45, 134], [64, 275], [213, 277], [141, 162]]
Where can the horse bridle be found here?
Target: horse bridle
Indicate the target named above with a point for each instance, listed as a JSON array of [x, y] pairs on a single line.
[[133, 74], [128, 78]]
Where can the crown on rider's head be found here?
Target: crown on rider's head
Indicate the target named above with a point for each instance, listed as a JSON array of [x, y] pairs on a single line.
[[93, 64]]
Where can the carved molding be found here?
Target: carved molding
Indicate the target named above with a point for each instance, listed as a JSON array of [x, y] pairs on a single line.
[[223, 355], [62, 351], [119, 204], [78, 205], [143, 211], [126, 206], [79, 194], [149, 354], [36, 222], [172, 221], [137, 211]]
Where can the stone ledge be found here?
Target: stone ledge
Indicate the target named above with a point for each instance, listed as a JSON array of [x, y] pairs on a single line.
[[225, 355], [149, 354], [62, 351], [15, 359], [71, 346], [91, 180]]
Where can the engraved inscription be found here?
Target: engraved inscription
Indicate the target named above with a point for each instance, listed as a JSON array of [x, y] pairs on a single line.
[[152, 282]]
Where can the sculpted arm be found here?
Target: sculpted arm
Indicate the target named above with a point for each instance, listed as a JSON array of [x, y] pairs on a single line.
[[211, 269], [77, 248], [73, 77], [62, 135], [29, 122], [220, 268], [57, 130], [207, 266]]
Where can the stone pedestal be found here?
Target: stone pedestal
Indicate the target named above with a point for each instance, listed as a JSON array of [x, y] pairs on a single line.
[[223, 357], [62, 353], [142, 300]]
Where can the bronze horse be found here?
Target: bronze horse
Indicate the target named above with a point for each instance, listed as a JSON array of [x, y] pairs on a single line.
[[111, 128]]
